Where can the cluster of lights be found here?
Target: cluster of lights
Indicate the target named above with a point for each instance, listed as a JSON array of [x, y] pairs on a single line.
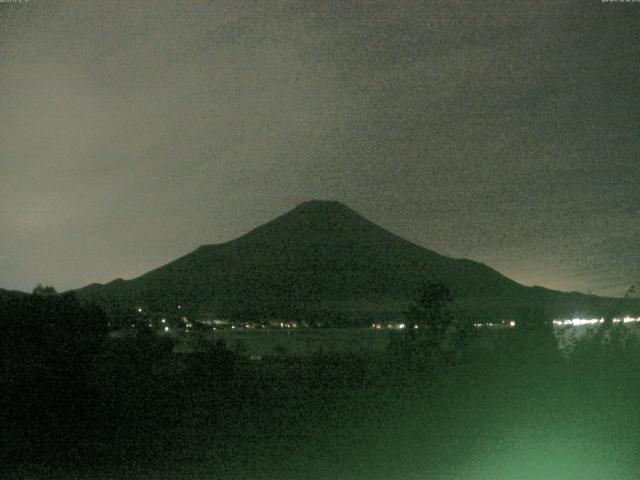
[[573, 322], [510, 324], [391, 326], [403, 326], [165, 326], [186, 322], [626, 320], [577, 322], [287, 325]]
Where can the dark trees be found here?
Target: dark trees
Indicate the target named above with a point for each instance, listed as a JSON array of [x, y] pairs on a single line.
[[40, 290], [433, 334], [47, 343], [431, 312]]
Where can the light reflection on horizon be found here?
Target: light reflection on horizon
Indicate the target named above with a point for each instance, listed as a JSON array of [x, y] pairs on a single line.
[[569, 322], [577, 322]]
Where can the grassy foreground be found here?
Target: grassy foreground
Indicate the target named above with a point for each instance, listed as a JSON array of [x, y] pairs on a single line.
[[508, 406]]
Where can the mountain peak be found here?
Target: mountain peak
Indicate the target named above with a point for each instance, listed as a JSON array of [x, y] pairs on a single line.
[[322, 204], [323, 207], [312, 220]]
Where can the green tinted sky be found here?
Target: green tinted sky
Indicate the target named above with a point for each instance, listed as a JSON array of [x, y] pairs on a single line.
[[506, 132]]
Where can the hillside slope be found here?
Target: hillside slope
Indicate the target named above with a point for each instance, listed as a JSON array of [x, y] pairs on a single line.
[[323, 259]]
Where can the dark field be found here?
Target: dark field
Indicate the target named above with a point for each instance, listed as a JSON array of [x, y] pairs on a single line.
[[497, 415], [503, 404], [354, 341], [295, 342]]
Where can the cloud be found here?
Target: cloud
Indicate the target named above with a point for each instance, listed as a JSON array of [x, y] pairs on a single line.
[[132, 132]]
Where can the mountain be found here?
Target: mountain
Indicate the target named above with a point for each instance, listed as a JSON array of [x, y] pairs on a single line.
[[6, 295], [323, 260]]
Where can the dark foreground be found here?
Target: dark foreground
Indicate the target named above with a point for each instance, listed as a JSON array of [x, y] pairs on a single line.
[[506, 406]]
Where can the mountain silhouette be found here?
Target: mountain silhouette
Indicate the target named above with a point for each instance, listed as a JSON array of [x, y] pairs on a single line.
[[6, 295], [323, 260]]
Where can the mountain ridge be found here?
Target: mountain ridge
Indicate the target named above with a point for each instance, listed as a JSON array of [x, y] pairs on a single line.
[[324, 259]]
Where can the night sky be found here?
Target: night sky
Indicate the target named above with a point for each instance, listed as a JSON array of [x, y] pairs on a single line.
[[505, 132]]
